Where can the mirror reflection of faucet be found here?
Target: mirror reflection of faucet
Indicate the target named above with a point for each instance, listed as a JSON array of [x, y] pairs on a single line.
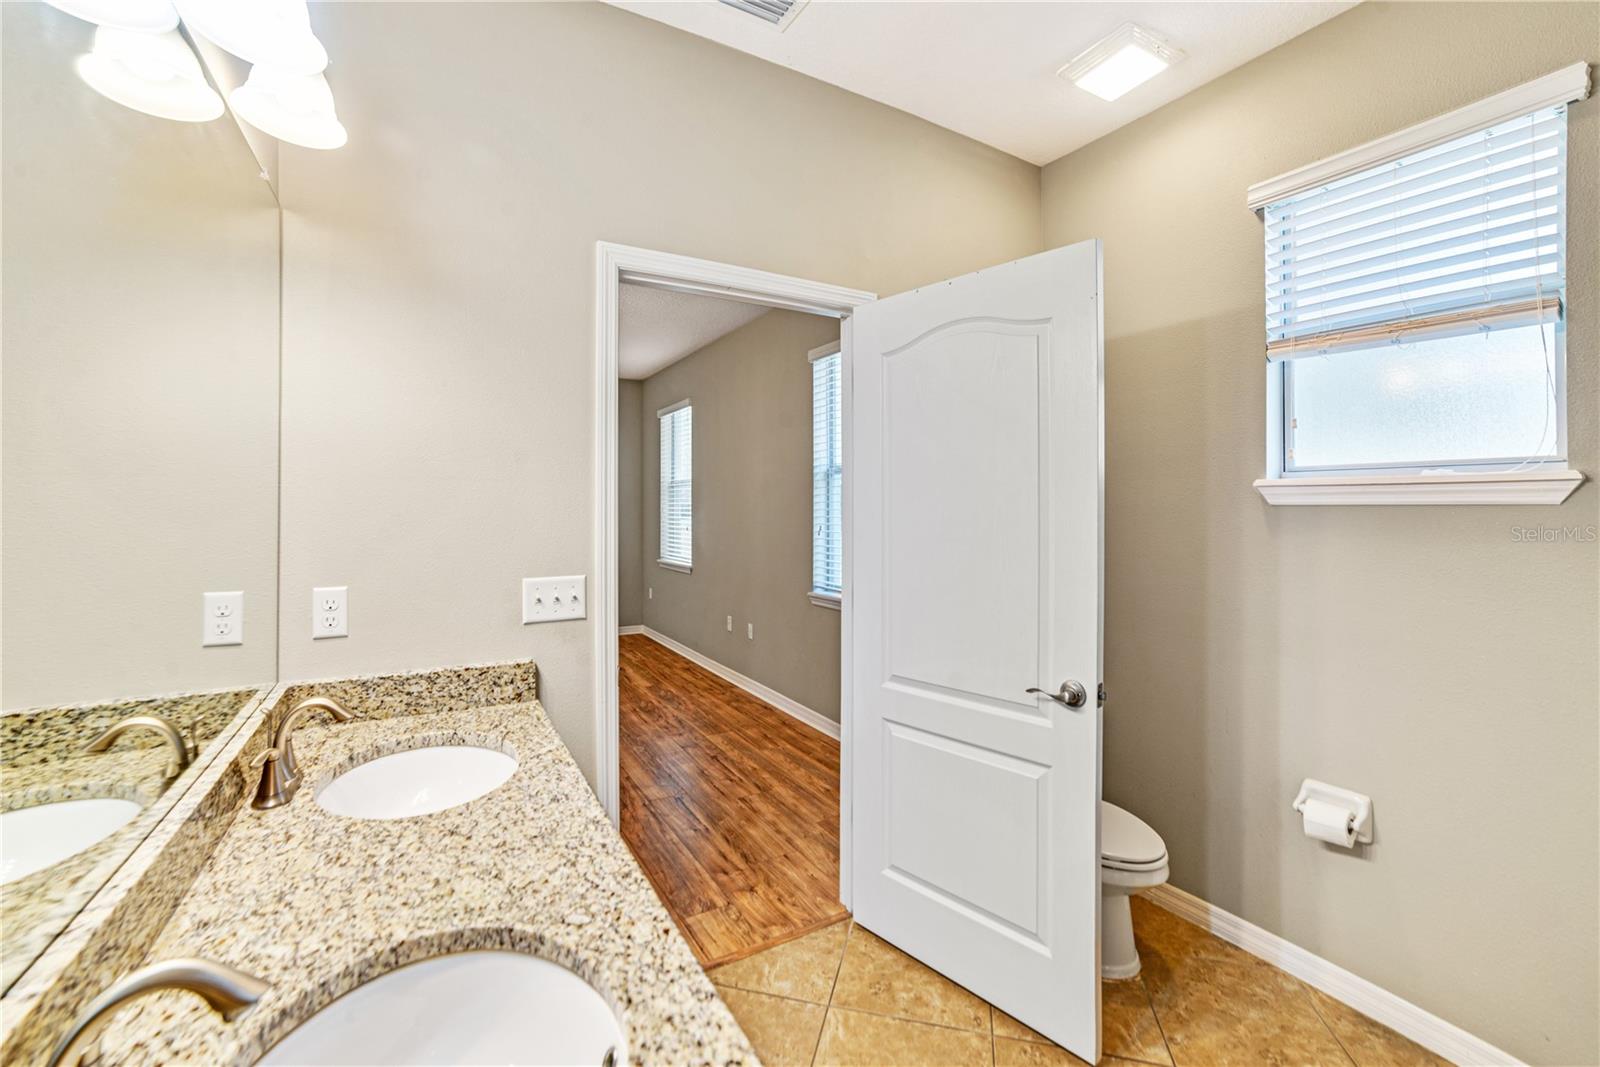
[[183, 748]]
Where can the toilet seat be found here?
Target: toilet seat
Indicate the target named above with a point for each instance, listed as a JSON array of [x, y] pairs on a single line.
[[1127, 843]]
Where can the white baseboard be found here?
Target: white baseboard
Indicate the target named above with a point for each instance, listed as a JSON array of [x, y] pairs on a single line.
[[793, 708], [1426, 1029]]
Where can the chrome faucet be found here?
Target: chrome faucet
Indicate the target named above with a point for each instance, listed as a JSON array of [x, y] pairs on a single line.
[[183, 750], [228, 991], [280, 773]]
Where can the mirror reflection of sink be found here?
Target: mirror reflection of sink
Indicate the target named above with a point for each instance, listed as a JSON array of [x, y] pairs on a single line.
[[418, 782], [471, 1007], [32, 839]]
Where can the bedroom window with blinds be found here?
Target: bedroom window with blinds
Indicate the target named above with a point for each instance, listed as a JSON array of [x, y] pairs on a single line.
[[827, 478], [677, 486], [1414, 309]]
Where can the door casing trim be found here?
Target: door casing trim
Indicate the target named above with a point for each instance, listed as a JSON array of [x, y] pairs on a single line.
[[614, 264]]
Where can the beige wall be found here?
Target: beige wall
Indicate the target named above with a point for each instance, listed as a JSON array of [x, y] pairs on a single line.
[[439, 277], [751, 392], [139, 331], [1417, 654], [630, 499]]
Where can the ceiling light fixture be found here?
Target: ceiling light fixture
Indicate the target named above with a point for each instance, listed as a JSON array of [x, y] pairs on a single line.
[[276, 33], [297, 108], [156, 73], [1129, 57], [145, 16]]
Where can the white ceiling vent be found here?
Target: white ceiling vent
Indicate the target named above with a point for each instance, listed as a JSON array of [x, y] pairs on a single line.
[[778, 12]]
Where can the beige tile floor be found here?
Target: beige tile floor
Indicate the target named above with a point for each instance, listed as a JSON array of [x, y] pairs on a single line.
[[842, 996]]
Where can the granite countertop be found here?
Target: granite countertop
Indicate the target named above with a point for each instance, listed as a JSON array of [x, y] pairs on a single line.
[[34, 908], [317, 904], [42, 761], [49, 735]]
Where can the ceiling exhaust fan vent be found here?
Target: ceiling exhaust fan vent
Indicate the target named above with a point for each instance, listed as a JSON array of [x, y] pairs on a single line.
[[780, 13]]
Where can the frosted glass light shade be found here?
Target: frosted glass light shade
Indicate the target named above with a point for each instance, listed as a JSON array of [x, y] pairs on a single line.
[[275, 33], [144, 16], [156, 73], [296, 108]]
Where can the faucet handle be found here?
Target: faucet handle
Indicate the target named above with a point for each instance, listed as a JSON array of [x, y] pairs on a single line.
[[276, 786]]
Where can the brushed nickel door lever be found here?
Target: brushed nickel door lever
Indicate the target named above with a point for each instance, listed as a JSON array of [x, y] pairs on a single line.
[[1072, 695]]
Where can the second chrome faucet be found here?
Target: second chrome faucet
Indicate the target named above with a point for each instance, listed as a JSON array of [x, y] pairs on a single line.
[[280, 773]]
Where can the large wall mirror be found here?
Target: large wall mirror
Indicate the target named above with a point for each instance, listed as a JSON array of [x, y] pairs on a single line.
[[138, 467]]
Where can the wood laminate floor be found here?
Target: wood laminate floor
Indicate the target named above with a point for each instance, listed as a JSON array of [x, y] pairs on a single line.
[[731, 806]]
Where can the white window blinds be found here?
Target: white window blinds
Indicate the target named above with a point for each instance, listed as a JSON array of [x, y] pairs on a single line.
[[677, 484], [827, 478], [1467, 235]]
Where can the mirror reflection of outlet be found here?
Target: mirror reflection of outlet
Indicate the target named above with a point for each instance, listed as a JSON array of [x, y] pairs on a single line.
[[330, 611], [224, 619]]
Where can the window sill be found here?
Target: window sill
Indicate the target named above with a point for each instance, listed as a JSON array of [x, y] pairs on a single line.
[[824, 600], [1521, 487], [681, 568]]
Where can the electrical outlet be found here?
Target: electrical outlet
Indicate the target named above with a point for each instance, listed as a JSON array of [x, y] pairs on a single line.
[[650, 592], [750, 630], [554, 599], [730, 624], [224, 619], [330, 611]]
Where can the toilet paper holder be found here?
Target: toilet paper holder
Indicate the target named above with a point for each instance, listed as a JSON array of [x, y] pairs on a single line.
[[1359, 805]]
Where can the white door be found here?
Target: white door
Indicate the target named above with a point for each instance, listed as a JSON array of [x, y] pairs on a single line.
[[975, 540]]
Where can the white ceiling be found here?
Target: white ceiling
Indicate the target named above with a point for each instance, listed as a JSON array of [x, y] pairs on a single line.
[[987, 68], [658, 328]]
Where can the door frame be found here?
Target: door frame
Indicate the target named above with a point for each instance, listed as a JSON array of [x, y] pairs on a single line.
[[614, 264]]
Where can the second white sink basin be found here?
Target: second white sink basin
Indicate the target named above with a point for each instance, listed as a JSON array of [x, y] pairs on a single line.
[[418, 782], [32, 839], [472, 1007]]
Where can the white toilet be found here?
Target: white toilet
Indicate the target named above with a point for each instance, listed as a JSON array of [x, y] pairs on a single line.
[[1132, 857]]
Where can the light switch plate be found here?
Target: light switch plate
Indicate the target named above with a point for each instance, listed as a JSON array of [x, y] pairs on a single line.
[[224, 619], [330, 611], [553, 599]]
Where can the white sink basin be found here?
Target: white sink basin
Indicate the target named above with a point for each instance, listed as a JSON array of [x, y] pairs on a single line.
[[472, 1007], [32, 839], [418, 782]]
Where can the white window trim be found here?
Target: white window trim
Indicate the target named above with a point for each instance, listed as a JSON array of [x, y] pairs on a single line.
[[825, 600], [674, 565], [1542, 486], [1563, 86], [1543, 482]]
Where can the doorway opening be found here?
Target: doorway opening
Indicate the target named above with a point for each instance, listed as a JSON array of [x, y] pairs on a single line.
[[723, 616]]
